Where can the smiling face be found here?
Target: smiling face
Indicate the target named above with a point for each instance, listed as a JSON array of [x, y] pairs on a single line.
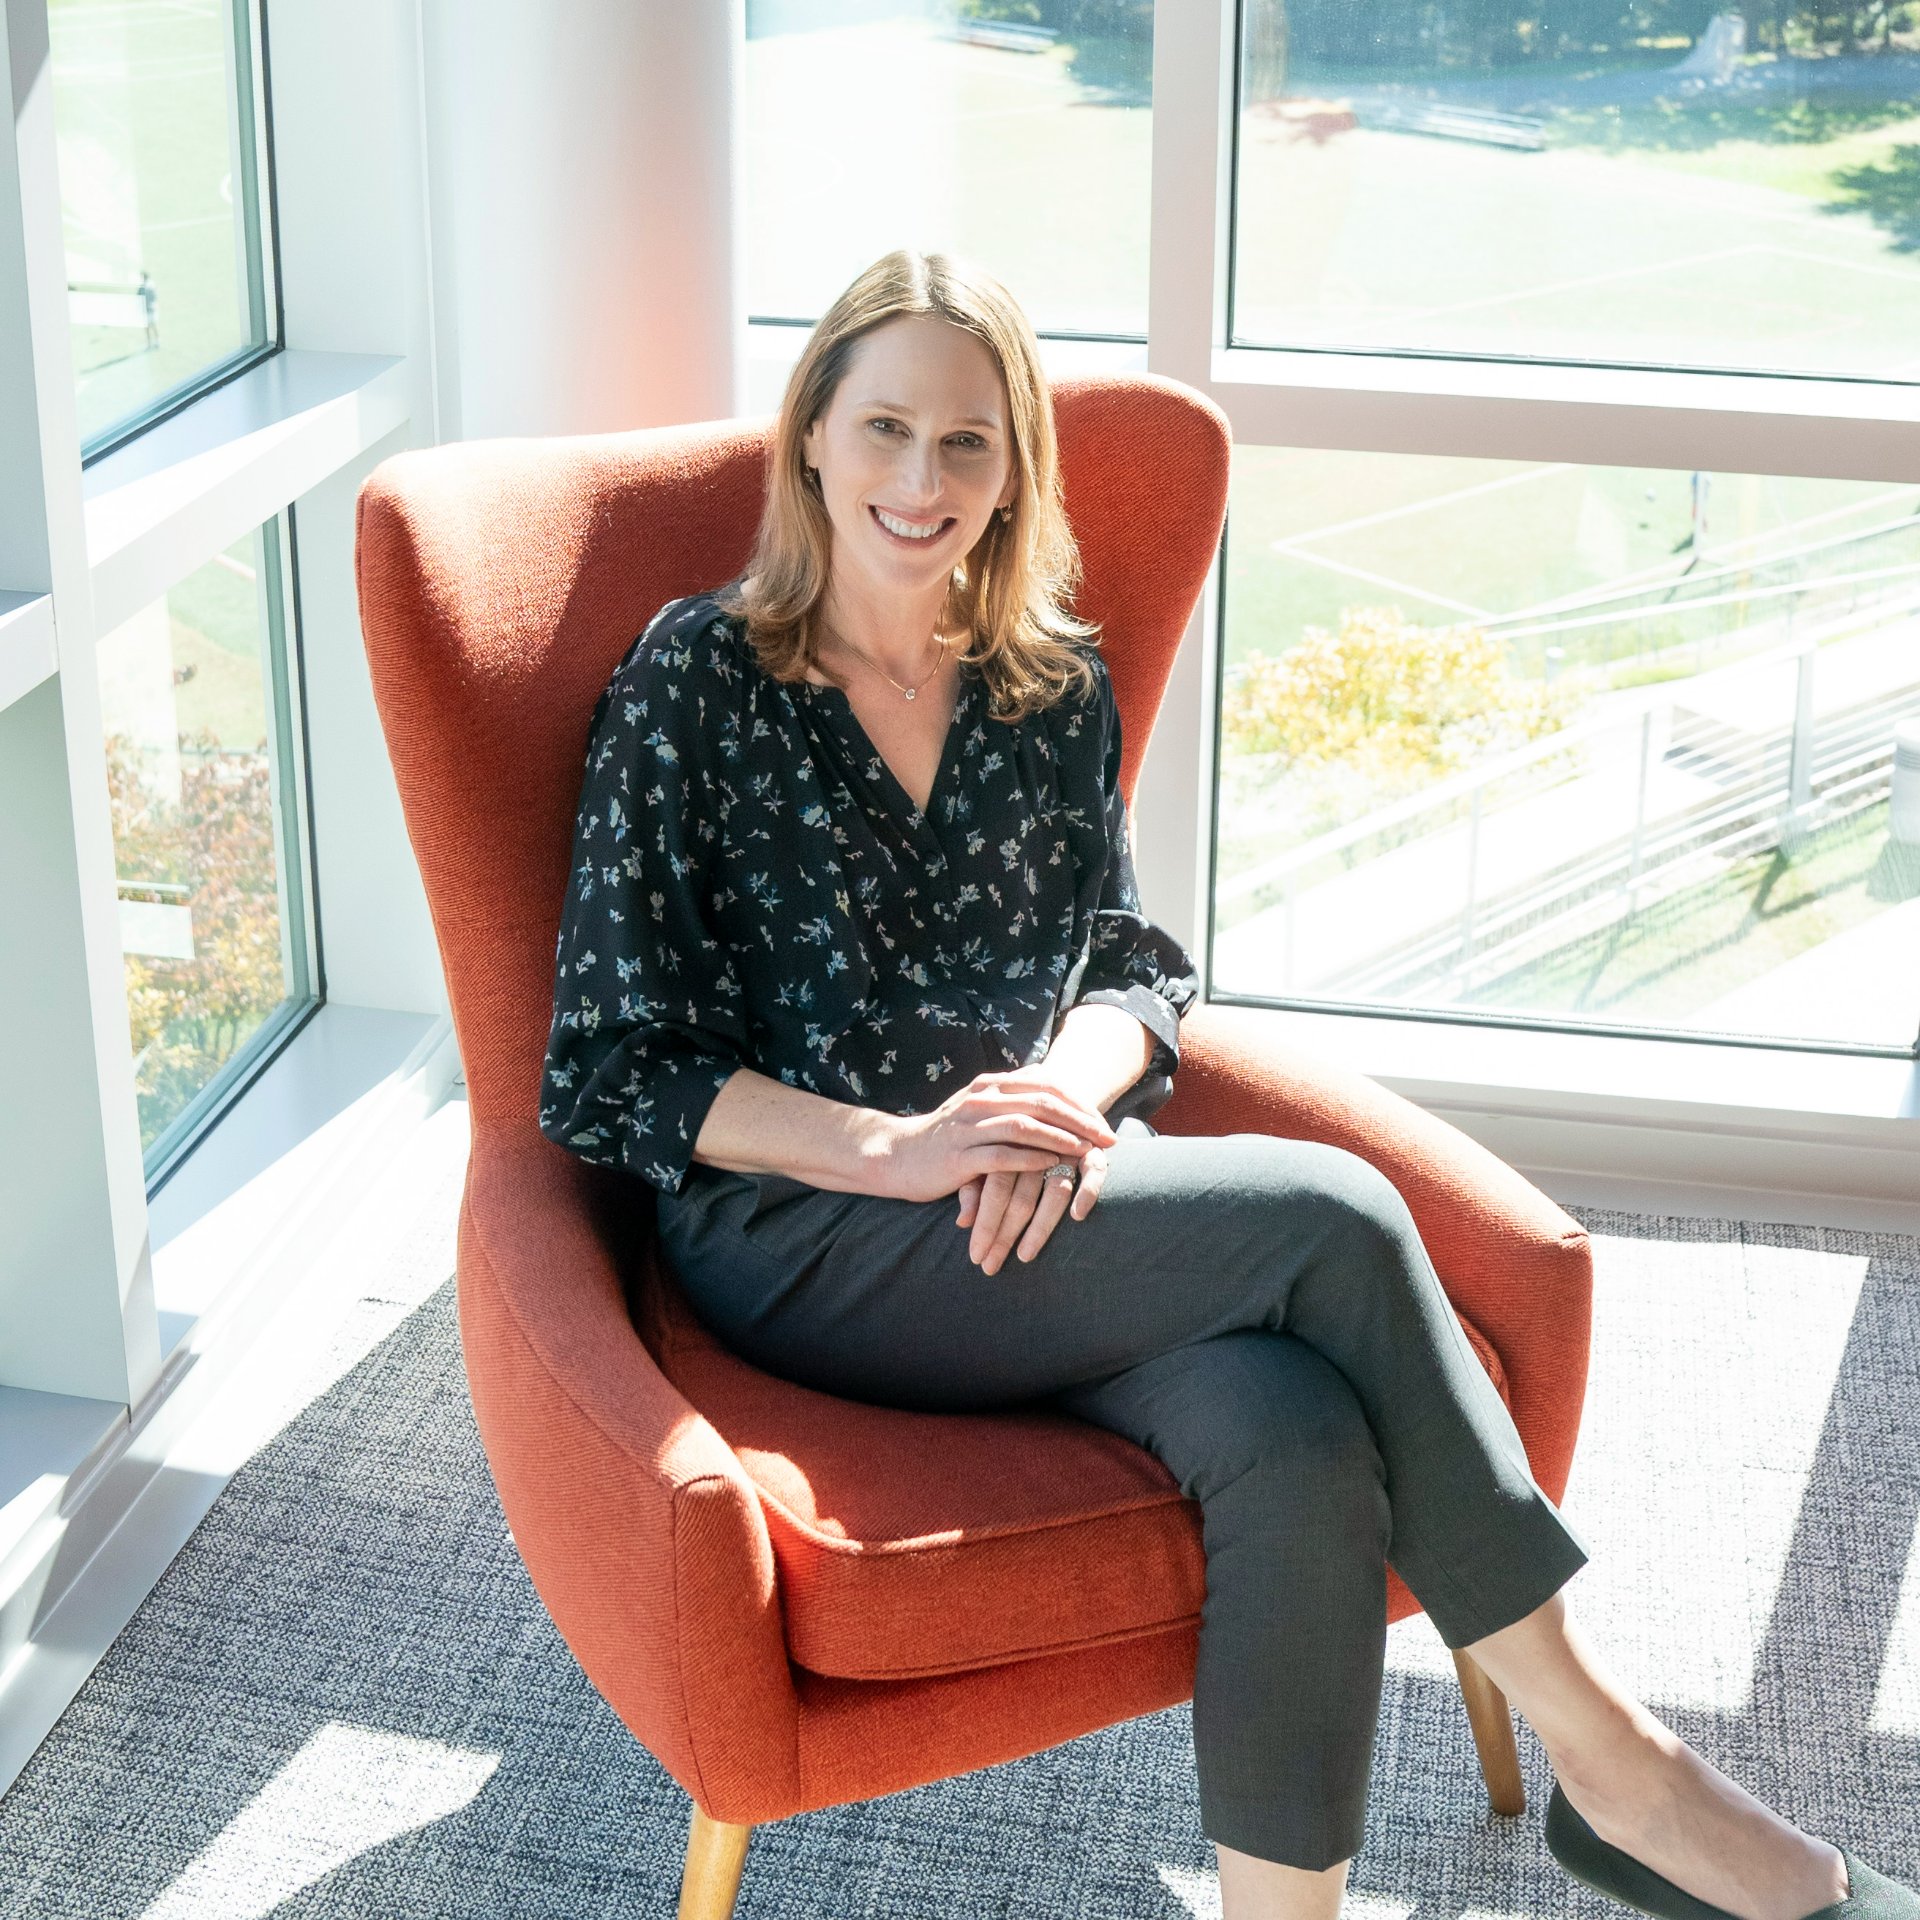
[[914, 453]]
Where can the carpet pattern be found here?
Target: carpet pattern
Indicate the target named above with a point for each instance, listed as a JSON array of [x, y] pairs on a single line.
[[344, 1699]]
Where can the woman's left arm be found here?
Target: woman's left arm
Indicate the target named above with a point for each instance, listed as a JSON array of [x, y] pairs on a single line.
[[1099, 1051]]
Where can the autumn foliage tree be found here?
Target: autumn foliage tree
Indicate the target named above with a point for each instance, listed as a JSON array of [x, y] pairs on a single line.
[[214, 851], [1354, 718]]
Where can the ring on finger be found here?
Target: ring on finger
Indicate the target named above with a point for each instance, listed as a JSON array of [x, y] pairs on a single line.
[[1060, 1167]]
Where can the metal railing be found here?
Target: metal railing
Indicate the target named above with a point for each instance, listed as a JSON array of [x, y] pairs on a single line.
[[1848, 771], [1774, 789]]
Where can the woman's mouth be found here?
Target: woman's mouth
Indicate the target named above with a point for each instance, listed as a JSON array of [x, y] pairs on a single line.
[[904, 533]]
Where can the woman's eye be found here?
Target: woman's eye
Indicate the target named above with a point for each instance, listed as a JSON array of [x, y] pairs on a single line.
[[971, 442]]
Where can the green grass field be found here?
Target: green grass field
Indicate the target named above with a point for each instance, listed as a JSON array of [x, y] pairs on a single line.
[[1450, 540]]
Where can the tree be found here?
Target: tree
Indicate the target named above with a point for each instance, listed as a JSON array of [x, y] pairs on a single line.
[[1352, 719], [216, 845]]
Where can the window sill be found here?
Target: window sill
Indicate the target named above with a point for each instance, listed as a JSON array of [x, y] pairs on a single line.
[[253, 1175], [27, 651], [196, 482], [1773, 1133]]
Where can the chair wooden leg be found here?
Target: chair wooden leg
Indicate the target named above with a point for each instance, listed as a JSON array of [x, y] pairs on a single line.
[[716, 1855], [1492, 1722]]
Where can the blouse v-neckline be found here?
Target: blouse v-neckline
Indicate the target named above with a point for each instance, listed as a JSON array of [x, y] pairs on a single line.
[[949, 748]]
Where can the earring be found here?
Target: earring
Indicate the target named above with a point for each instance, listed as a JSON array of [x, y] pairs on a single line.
[[1006, 512]]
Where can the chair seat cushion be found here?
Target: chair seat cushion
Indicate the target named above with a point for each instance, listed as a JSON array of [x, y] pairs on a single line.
[[915, 1543]]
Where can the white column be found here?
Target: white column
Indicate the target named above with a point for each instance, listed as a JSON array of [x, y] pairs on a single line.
[[1186, 320], [76, 1283], [588, 270]]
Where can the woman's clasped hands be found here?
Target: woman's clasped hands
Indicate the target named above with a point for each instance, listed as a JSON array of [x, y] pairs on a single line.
[[992, 1142]]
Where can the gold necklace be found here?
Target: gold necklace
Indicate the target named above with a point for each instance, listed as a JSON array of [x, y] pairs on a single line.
[[879, 669]]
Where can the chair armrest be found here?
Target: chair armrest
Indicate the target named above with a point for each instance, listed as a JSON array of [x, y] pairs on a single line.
[[643, 1536], [1512, 1262]]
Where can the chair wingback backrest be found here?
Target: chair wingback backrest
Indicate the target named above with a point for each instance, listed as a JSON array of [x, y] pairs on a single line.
[[501, 580]]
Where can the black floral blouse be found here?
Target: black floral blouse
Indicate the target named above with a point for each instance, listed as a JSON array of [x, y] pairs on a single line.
[[752, 886]]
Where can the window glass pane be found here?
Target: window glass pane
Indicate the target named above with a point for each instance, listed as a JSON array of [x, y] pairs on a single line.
[[1605, 747], [199, 765], [155, 124], [1015, 132], [1617, 180]]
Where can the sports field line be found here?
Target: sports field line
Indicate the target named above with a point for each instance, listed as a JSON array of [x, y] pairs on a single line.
[[1907, 278], [1422, 506], [1721, 558], [1787, 528], [1382, 580], [1718, 560], [1507, 296]]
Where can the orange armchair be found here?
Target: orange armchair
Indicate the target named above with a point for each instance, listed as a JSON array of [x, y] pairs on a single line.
[[795, 1601]]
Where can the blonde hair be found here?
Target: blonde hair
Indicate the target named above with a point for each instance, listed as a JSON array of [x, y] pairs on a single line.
[[1009, 594]]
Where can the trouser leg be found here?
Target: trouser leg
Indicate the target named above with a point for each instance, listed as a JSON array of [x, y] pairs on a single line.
[[1193, 1236], [1269, 1437]]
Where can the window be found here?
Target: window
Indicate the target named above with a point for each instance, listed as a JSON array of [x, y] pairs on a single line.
[[1017, 132], [170, 278], [199, 701], [1597, 182], [1594, 746]]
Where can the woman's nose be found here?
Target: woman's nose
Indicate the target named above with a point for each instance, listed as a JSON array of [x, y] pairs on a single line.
[[921, 475]]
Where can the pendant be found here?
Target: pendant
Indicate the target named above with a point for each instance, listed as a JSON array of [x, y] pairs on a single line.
[[911, 691]]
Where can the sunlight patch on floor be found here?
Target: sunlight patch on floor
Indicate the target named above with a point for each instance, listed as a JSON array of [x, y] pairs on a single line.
[[347, 1791], [1711, 1387], [1198, 1891], [1896, 1701]]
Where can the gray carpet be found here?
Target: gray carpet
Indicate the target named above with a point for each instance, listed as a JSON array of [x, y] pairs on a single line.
[[344, 1699]]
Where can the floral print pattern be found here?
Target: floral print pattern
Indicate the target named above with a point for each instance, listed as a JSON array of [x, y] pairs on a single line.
[[752, 886]]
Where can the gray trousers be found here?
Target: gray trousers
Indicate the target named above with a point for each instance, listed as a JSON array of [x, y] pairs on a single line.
[[1258, 1313]]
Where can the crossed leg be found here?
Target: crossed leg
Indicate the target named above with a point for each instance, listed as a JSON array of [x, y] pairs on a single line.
[[1337, 1419]]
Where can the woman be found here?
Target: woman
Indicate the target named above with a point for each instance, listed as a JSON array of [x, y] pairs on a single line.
[[853, 932]]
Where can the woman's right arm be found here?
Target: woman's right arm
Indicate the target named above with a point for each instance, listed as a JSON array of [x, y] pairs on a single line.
[[757, 1124]]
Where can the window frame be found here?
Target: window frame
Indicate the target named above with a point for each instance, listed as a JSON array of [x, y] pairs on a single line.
[[88, 537], [1376, 401], [144, 440], [292, 813]]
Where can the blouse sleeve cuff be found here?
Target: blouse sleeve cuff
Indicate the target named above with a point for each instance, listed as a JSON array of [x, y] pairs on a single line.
[[684, 1094], [652, 1136]]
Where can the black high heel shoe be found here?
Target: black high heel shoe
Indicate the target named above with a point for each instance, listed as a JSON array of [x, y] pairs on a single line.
[[1607, 1869]]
